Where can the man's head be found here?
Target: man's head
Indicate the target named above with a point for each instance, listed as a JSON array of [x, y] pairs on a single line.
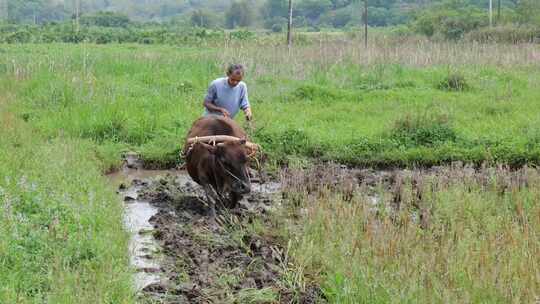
[[235, 74]]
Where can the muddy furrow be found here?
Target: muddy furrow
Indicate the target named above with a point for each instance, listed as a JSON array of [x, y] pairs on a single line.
[[240, 260]]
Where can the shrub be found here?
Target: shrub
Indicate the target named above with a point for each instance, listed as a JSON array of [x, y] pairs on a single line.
[[20, 36], [453, 82], [504, 34], [449, 22], [277, 28], [242, 35], [202, 18], [422, 130], [105, 19], [313, 92]]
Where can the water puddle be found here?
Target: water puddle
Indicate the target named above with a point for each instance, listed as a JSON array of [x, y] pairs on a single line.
[[146, 195], [143, 248]]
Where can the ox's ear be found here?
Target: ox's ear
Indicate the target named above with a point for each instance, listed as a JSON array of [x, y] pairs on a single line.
[[220, 149]]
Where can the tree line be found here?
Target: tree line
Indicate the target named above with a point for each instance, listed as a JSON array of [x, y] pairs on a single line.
[[447, 19], [270, 14]]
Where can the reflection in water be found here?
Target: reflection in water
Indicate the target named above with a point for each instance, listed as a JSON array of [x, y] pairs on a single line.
[[142, 245]]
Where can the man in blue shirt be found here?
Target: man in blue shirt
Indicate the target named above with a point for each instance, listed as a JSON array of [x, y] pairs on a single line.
[[227, 95]]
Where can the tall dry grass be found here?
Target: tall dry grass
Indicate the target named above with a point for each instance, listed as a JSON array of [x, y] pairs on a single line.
[[328, 51], [452, 235]]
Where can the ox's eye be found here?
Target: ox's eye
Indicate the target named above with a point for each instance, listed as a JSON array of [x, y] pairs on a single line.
[[223, 159]]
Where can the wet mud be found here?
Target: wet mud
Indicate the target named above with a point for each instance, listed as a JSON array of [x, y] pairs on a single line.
[[240, 259], [183, 257]]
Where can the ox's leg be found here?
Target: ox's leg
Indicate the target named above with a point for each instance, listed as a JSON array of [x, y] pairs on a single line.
[[212, 198], [234, 198]]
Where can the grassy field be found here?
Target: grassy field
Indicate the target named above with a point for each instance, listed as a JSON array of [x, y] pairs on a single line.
[[61, 235], [454, 236], [69, 111], [393, 104]]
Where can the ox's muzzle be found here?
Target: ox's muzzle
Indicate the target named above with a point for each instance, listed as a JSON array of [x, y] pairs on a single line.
[[243, 184], [241, 187]]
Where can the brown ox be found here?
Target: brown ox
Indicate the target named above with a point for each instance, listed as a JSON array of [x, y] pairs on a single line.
[[216, 154]]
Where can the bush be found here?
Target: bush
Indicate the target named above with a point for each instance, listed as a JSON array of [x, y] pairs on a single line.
[[312, 92], [242, 35], [20, 36], [504, 34], [453, 82], [448, 22], [203, 18], [147, 40], [422, 130], [105, 19], [277, 28], [337, 19], [270, 23]]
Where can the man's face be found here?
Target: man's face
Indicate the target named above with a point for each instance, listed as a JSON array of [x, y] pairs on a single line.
[[235, 78]]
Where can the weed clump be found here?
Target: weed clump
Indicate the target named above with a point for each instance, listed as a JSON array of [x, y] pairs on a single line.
[[287, 143], [453, 82], [422, 130], [311, 92]]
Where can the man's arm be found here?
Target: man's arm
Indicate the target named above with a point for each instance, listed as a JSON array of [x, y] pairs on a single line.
[[209, 102], [213, 108], [248, 114], [244, 104]]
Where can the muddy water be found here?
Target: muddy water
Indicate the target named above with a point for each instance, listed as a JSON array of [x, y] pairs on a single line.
[[143, 248], [182, 258], [165, 215], [179, 258]]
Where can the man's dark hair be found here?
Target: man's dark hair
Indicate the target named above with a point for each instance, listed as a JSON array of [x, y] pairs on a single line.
[[235, 67]]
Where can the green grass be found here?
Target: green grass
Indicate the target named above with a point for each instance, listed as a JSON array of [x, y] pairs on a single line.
[[335, 107], [61, 234]]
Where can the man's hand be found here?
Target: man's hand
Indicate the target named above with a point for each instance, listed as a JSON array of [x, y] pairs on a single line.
[[248, 114], [225, 112], [213, 108]]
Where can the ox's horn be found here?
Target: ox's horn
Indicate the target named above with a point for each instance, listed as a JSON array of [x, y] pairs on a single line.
[[222, 138], [213, 138], [248, 144]]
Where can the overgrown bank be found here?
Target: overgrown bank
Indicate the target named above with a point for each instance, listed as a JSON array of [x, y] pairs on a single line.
[[61, 235], [413, 103]]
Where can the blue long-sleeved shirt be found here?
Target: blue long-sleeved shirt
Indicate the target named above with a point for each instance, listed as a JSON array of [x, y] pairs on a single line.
[[221, 94]]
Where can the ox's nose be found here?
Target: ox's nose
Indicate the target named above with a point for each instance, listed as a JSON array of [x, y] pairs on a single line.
[[242, 188]]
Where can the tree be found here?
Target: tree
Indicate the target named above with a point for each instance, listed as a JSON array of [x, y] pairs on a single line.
[[379, 16], [3, 11], [338, 18], [239, 14], [289, 24], [340, 3], [202, 18], [312, 9], [105, 19], [449, 20], [273, 9], [529, 12]]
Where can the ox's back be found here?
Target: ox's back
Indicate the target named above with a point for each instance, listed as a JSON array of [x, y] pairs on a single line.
[[215, 125], [199, 161]]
